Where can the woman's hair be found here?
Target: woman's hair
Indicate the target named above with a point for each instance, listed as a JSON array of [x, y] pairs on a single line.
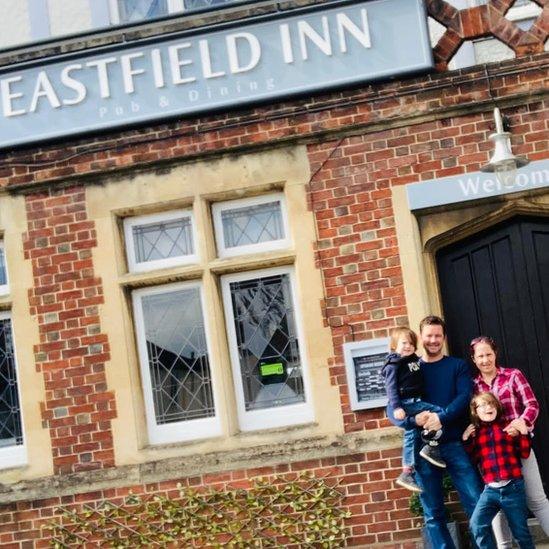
[[404, 330], [482, 339], [484, 398]]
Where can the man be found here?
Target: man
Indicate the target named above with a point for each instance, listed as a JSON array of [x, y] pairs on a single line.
[[448, 384]]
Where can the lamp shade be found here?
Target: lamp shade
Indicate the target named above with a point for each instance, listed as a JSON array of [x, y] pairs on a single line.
[[503, 162]]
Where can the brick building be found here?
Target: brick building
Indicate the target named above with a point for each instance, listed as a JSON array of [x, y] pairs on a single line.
[[200, 299]]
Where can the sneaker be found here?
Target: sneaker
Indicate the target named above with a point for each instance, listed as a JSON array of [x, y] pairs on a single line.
[[431, 435], [432, 455], [406, 480]]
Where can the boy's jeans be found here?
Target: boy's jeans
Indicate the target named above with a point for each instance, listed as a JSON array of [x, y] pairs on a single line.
[[413, 406], [511, 499]]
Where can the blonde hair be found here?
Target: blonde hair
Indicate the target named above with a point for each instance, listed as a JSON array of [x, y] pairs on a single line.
[[484, 398], [403, 330]]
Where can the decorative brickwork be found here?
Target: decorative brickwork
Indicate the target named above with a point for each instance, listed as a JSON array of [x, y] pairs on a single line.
[[72, 351], [485, 21]]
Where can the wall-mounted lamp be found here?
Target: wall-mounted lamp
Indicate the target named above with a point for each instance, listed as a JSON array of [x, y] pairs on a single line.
[[503, 162]]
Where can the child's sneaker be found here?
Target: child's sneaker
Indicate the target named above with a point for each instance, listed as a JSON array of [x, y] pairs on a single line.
[[431, 435], [432, 454], [406, 480]]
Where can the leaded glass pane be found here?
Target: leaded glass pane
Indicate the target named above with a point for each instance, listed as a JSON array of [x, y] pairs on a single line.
[[153, 241], [3, 277], [10, 412], [135, 10], [252, 224], [267, 342], [201, 4], [178, 356]]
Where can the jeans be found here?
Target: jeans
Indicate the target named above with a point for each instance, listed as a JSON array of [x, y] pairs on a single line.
[[536, 501], [511, 499], [413, 406], [466, 481]]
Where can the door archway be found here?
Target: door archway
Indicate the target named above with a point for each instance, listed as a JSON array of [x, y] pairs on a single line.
[[496, 283]]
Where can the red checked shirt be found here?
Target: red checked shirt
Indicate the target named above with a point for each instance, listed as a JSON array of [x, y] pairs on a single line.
[[514, 393], [497, 453]]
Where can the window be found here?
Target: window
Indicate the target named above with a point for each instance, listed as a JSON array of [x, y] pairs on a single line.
[[4, 288], [129, 11], [251, 225], [261, 328], [268, 367], [160, 240], [204, 4], [175, 364], [12, 450]]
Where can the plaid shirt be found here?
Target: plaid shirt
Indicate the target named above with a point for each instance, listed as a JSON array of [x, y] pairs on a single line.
[[514, 393], [497, 453]]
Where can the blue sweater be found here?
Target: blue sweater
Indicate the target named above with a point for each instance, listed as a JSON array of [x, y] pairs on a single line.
[[448, 384]]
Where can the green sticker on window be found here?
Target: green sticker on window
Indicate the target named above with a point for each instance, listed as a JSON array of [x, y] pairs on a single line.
[[275, 369]]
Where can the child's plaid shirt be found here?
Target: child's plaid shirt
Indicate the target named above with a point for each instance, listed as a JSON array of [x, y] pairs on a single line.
[[514, 393], [497, 453]]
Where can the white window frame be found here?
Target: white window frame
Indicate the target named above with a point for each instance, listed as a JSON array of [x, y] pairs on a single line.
[[519, 13], [181, 431], [280, 416], [142, 266], [16, 455], [219, 207], [39, 19], [5, 288], [174, 6]]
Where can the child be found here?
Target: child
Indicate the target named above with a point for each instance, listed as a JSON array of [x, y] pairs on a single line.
[[498, 456], [404, 386]]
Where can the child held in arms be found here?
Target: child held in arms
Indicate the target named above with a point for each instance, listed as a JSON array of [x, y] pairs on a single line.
[[498, 456], [404, 385]]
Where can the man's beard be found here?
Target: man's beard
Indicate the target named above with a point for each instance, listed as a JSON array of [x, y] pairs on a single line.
[[431, 353]]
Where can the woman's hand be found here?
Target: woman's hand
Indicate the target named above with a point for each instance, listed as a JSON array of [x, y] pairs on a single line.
[[517, 426], [470, 431], [399, 413]]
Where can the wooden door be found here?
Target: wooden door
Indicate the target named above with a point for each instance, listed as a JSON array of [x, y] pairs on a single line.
[[496, 283]]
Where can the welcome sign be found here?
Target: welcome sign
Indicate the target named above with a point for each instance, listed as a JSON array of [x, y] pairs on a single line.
[[213, 69], [474, 186]]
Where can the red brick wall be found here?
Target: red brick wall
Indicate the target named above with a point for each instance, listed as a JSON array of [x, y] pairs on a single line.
[[360, 143], [72, 350], [321, 118], [379, 511]]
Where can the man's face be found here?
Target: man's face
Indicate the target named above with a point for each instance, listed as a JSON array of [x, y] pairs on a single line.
[[432, 339]]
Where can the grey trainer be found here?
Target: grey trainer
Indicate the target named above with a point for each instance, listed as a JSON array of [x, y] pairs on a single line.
[[432, 454], [406, 480]]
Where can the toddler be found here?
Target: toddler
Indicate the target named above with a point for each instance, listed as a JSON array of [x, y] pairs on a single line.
[[498, 456], [404, 386]]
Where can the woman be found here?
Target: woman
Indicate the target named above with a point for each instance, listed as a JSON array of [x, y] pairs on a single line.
[[521, 410]]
